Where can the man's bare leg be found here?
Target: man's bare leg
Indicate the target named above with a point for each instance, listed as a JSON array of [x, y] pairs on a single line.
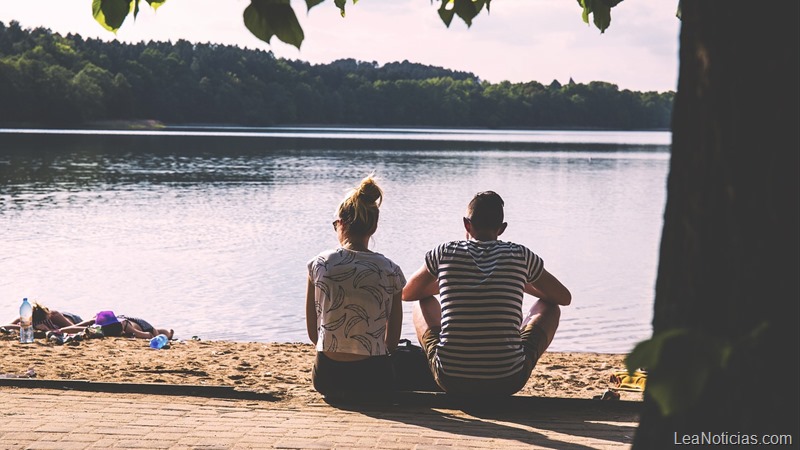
[[545, 316], [427, 314]]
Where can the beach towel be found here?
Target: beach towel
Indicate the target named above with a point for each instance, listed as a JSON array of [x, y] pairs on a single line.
[[623, 381]]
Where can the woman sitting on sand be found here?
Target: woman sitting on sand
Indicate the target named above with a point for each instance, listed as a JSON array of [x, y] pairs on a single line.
[[116, 326], [353, 302], [46, 319]]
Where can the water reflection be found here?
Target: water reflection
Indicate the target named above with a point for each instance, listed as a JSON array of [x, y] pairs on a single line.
[[201, 232]]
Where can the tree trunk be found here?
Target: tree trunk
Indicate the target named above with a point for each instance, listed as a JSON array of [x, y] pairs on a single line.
[[729, 249]]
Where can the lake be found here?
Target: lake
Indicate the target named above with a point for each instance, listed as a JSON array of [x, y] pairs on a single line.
[[208, 230]]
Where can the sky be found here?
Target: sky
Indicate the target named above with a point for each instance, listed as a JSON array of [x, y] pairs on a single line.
[[518, 41]]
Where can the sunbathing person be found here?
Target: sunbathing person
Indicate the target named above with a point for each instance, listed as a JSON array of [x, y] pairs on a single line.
[[119, 326], [46, 319]]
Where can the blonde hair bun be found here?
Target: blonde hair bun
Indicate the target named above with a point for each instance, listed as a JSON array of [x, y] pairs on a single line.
[[369, 191], [359, 209]]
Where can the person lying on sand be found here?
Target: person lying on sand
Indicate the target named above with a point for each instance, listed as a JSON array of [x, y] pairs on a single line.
[[119, 325], [46, 319], [481, 345]]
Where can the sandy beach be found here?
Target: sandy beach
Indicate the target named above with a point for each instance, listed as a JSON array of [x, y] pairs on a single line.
[[280, 369]]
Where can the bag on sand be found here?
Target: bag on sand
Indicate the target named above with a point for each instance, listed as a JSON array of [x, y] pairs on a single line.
[[411, 370]]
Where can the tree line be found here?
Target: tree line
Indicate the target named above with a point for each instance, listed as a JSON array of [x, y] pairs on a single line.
[[53, 80]]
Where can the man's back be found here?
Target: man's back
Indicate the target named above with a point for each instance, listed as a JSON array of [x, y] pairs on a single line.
[[481, 286]]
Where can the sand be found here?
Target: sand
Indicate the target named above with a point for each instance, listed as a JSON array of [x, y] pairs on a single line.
[[280, 369]]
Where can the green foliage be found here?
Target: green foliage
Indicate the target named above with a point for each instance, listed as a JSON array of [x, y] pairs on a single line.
[[111, 13], [682, 363], [267, 18], [465, 9], [600, 11], [55, 80]]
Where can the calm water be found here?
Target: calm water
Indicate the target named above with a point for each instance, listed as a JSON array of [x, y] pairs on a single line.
[[208, 231]]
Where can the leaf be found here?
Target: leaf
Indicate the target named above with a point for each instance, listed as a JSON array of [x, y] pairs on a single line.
[[155, 4], [267, 18], [338, 300], [369, 265], [312, 3], [340, 4], [324, 288], [600, 11], [339, 277], [376, 293], [447, 13], [602, 16], [351, 323], [587, 9], [334, 344], [361, 312], [111, 13], [379, 333], [335, 325], [347, 257], [468, 9], [360, 277], [365, 342], [680, 362]]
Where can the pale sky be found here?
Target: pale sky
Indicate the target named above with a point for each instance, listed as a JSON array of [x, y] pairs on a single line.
[[520, 40]]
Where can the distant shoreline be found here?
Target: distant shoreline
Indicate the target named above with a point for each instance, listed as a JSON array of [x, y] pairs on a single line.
[[157, 125]]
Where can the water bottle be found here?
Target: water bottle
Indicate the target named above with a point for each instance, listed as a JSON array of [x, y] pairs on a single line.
[[25, 322], [159, 341]]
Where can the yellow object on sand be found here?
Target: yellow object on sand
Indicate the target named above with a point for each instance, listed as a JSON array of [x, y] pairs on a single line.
[[624, 381]]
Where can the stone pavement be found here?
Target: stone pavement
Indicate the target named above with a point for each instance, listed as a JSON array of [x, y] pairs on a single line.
[[35, 418]]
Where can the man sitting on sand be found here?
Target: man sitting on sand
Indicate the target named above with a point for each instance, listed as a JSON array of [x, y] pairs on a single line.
[[474, 335]]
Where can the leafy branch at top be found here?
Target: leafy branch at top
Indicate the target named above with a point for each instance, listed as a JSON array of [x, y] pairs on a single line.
[[268, 18]]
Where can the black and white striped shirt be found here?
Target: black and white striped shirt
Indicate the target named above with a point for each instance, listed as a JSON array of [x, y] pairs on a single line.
[[481, 285]]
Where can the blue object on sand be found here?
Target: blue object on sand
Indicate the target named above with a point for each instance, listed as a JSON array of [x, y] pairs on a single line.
[[159, 341]]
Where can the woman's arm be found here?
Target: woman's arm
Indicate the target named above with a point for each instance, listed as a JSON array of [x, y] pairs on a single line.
[[395, 323], [311, 312]]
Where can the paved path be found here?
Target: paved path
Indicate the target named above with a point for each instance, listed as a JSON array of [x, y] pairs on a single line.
[[67, 420]]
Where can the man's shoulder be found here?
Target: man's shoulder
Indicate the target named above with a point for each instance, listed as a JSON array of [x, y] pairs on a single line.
[[450, 246]]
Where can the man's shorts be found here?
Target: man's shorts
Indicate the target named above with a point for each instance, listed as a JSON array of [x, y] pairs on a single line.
[[533, 339]]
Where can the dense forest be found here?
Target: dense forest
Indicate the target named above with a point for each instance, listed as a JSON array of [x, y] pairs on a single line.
[[53, 80]]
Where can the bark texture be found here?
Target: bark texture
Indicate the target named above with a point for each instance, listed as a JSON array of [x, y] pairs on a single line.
[[729, 249]]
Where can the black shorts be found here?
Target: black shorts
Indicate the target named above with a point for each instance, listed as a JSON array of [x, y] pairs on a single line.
[[339, 379]]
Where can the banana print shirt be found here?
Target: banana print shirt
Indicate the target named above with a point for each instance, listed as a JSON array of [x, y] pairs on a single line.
[[353, 296]]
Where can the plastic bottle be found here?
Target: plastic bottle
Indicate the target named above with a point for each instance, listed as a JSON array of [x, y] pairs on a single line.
[[159, 341], [25, 322]]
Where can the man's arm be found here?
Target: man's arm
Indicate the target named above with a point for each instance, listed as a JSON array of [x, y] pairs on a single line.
[[548, 288], [422, 284]]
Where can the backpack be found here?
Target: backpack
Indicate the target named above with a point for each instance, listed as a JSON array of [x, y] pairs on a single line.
[[411, 369]]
